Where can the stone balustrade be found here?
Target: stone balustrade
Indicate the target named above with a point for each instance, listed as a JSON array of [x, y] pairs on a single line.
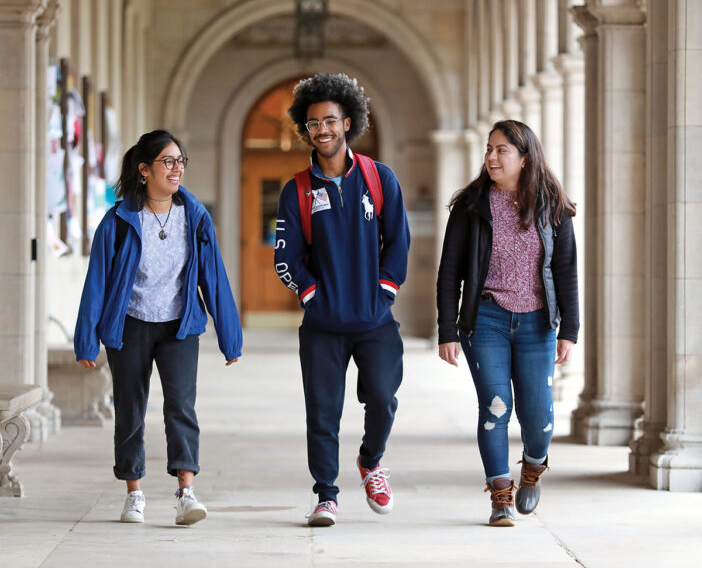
[[14, 431]]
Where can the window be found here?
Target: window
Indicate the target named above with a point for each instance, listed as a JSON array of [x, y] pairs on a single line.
[[270, 192]]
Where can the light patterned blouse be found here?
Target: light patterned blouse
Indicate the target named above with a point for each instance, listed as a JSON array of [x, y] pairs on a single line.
[[157, 295]]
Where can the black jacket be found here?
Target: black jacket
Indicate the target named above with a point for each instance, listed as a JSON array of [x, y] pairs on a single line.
[[465, 259]]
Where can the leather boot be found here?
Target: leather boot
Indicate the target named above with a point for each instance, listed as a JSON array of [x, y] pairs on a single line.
[[502, 495], [529, 486]]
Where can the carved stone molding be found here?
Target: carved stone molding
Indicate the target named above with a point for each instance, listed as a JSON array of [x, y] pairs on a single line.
[[597, 13], [47, 19], [584, 19], [570, 66], [618, 12], [15, 432], [20, 12]]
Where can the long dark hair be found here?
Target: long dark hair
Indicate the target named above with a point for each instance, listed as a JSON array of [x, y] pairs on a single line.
[[538, 189], [129, 185]]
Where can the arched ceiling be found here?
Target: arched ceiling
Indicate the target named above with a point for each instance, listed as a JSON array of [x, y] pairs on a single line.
[[353, 24]]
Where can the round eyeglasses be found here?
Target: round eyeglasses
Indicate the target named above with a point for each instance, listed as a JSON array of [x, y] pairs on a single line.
[[170, 162], [314, 125]]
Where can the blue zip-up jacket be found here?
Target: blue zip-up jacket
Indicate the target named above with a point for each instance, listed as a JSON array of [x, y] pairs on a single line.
[[111, 274], [348, 277]]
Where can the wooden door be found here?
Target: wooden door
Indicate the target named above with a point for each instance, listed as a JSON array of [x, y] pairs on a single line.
[[264, 175]]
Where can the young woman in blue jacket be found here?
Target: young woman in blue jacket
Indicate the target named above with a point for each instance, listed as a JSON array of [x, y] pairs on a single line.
[[150, 254]]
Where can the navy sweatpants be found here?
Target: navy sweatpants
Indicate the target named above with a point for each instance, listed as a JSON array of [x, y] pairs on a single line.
[[131, 366], [324, 357]]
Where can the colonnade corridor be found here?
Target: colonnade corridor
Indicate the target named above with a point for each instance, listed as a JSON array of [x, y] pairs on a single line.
[[254, 481]]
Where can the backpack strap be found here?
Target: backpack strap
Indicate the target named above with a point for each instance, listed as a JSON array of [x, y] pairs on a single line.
[[120, 229], [370, 175], [304, 197], [304, 192]]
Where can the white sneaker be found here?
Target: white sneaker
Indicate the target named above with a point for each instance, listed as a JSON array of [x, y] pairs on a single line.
[[133, 511], [188, 510]]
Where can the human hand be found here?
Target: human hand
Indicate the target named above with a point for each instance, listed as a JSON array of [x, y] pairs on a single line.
[[232, 361], [449, 352], [87, 364], [563, 350]]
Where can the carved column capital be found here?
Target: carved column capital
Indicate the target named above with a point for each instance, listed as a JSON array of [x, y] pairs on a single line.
[[547, 82], [47, 19], [444, 139], [610, 12], [569, 65], [585, 19], [20, 12]]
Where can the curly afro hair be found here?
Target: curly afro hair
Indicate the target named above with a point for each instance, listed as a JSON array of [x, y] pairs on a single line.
[[338, 88]]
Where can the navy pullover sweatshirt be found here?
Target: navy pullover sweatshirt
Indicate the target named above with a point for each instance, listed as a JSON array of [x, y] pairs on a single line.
[[347, 278]]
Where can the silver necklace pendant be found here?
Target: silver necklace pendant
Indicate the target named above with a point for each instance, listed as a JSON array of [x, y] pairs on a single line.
[[162, 233]]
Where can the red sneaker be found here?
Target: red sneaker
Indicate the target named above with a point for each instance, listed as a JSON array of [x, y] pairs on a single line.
[[378, 492], [324, 514]]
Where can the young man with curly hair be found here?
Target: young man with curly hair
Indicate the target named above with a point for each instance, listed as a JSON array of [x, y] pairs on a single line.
[[346, 276]]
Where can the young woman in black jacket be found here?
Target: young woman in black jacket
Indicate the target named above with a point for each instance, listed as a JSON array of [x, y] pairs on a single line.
[[509, 246]]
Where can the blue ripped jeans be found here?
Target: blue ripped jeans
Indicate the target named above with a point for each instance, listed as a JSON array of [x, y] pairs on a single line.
[[511, 349]]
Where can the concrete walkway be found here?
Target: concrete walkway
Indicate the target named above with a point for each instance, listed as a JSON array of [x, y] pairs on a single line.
[[255, 483]]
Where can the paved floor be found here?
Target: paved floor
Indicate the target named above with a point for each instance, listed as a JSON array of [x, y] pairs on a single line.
[[255, 483]]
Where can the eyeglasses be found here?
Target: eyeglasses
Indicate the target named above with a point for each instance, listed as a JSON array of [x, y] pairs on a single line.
[[170, 162], [314, 125]]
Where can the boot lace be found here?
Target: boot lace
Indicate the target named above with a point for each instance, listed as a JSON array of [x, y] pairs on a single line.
[[531, 477], [503, 497]]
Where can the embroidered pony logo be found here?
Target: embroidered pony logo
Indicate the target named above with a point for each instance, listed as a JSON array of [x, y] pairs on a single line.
[[367, 207]]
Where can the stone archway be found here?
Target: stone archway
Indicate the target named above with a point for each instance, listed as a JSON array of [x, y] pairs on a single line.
[[210, 40]]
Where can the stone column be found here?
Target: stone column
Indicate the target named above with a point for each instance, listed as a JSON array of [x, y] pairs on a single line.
[[620, 194], [471, 68], [450, 177], [496, 55], [115, 61], [527, 95], [100, 46], [483, 38], [550, 86], [678, 465], [45, 418], [130, 75], [510, 107], [589, 43], [568, 31], [474, 153], [17, 170], [653, 422], [529, 99], [571, 67]]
